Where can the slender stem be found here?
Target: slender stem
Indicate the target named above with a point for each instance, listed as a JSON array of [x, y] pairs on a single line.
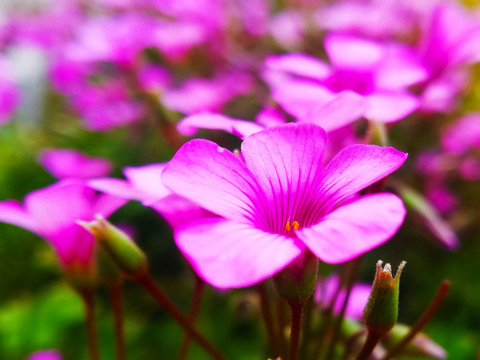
[[148, 284], [351, 343], [353, 267], [116, 299], [268, 319], [91, 324], [281, 323], [369, 345], [296, 309], [422, 321], [307, 326], [194, 310]]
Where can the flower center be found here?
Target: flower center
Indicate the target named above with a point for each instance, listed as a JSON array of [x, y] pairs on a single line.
[[292, 226]]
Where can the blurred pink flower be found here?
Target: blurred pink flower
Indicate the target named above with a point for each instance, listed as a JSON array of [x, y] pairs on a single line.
[[380, 73], [144, 183], [9, 93], [52, 213], [325, 291], [281, 201], [66, 163], [45, 355]]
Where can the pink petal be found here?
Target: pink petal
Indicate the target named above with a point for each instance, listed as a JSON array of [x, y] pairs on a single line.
[[59, 205], [342, 110], [45, 355], [298, 64], [354, 228], [214, 178], [286, 161], [354, 168], [148, 178], [73, 245], [107, 204], [299, 97], [118, 187], [391, 107], [228, 254], [241, 128], [12, 212], [351, 52], [65, 163]]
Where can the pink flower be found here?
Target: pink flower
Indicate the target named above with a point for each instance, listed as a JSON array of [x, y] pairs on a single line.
[[325, 291], [9, 94], [65, 163], [380, 73], [45, 355], [52, 213], [144, 183], [281, 201]]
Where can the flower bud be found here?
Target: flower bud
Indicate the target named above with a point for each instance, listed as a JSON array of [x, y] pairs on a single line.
[[297, 281], [380, 314], [121, 248]]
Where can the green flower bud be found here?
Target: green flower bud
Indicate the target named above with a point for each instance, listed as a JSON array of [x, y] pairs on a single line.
[[380, 314], [118, 245], [297, 281]]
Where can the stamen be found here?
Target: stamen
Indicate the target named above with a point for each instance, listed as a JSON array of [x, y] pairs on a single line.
[[295, 225]]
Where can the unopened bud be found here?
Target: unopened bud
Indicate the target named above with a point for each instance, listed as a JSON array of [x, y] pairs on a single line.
[[297, 281], [121, 248], [380, 314]]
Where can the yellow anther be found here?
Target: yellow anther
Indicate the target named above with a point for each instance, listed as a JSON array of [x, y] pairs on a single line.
[[287, 226], [292, 226], [295, 225]]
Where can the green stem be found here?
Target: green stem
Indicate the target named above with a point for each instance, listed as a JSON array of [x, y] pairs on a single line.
[[281, 324], [194, 310], [116, 298], [148, 284], [296, 309], [91, 324], [422, 321]]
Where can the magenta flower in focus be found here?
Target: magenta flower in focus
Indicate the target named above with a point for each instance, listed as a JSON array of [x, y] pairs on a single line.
[[52, 213], [45, 355], [144, 183], [67, 164], [280, 202]]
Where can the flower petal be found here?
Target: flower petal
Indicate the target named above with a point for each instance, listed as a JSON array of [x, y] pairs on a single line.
[[12, 212], [107, 204], [298, 64], [214, 178], [117, 187], [148, 178], [353, 169], [342, 110], [241, 128], [391, 107], [286, 161], [228, 254], [354, 228]]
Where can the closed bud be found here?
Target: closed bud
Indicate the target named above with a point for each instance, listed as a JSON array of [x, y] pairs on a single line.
[[380, 314], [297, 281], [119, 246]]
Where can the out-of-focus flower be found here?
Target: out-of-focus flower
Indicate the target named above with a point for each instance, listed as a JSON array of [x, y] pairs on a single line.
[[144, 183], [357, 300], [281, 201], [463, 135], [201, 94], [67, 164], [52, 213], [380, 73], [449, 42], [9, 94], [45, 355]]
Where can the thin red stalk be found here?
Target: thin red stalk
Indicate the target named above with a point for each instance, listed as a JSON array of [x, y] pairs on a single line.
[[368, 346], [116, 299], [148, 284], [422, 321], [296, 309], [268, 319], [194, 310], [91, 324]]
